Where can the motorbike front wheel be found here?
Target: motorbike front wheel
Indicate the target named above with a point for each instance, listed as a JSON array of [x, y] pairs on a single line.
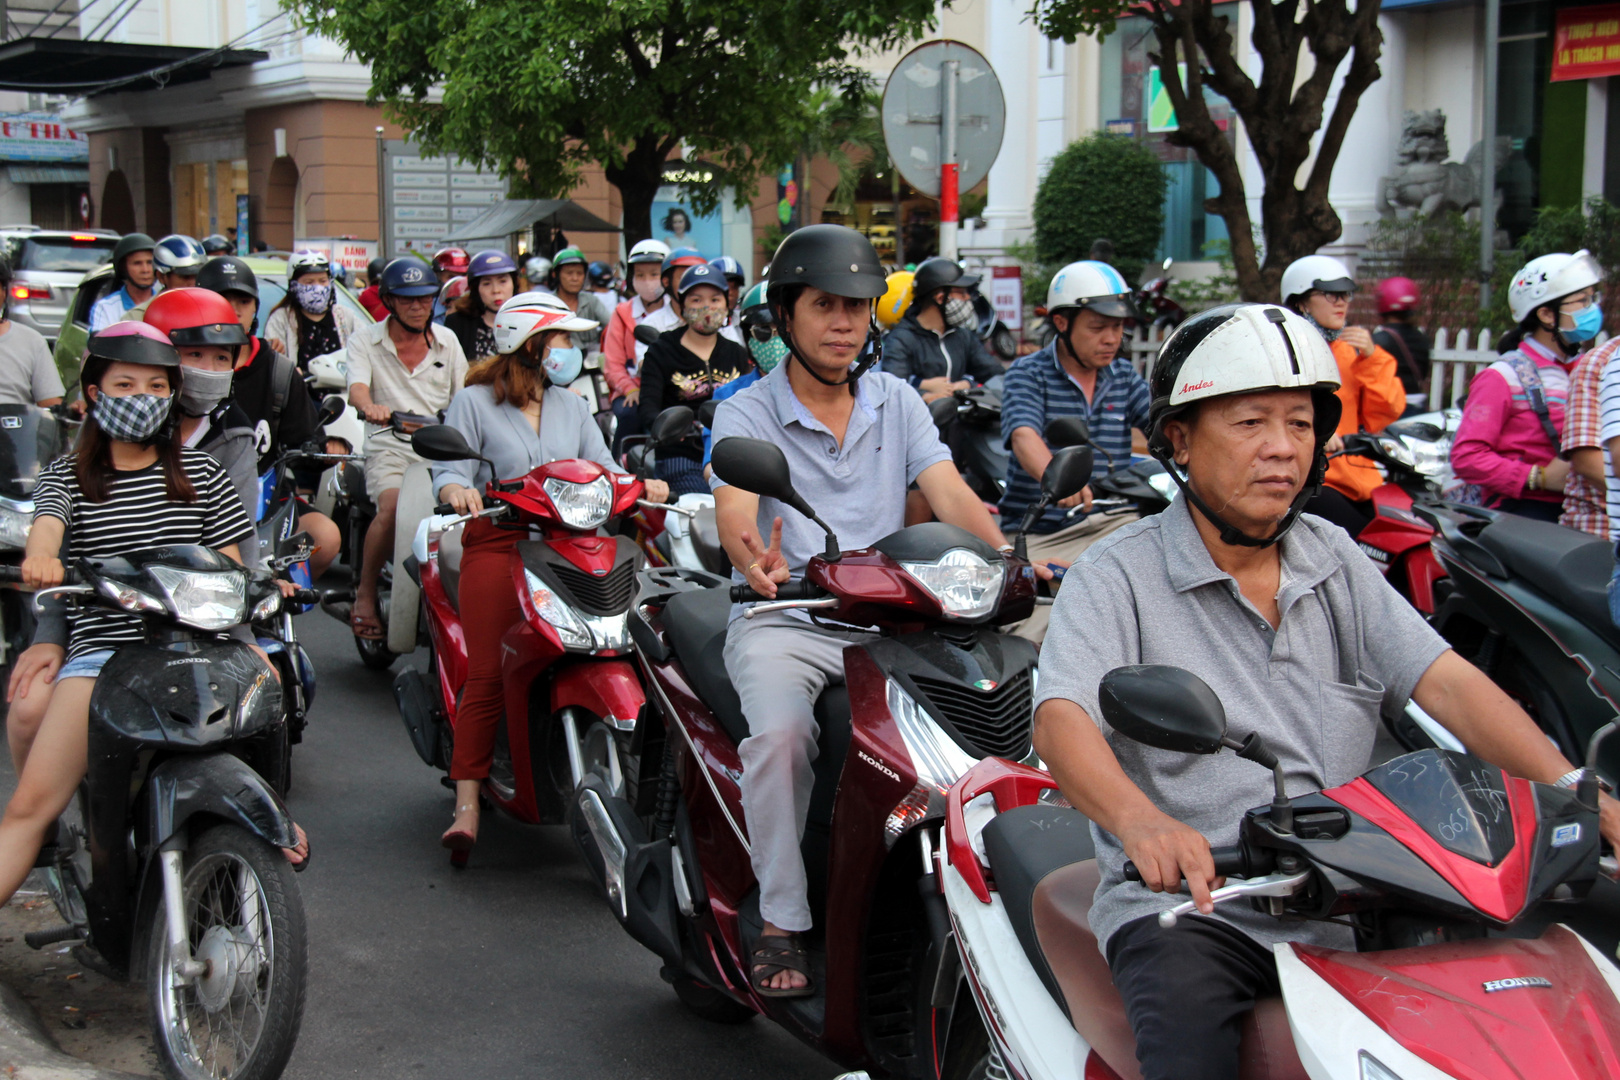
[[245, 920]]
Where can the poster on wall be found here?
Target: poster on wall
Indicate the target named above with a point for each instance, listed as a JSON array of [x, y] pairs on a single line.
[[242, 234], [1586, 43], [678, 225], [1007, 295]]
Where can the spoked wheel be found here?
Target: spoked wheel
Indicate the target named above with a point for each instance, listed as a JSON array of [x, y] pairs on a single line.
[[245, 921]]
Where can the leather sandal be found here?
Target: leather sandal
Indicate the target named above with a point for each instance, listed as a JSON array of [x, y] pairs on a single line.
[[776, 953]]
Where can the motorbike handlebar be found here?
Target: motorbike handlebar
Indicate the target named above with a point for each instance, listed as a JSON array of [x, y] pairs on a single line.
[[788, 590], [1229, 862], [13, 574]]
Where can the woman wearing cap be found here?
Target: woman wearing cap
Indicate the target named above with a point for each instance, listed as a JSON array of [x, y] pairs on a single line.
[[491, 281], [568, 279], [1370, 390], [131, 483], [517, 412], [1506, 447], [309, 322], [686, 367]]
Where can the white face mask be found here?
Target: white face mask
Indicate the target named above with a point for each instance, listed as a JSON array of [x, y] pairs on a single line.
[[649, 290]]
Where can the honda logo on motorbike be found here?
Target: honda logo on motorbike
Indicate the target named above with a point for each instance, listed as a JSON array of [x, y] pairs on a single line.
[[1523, 982], [878, 765]]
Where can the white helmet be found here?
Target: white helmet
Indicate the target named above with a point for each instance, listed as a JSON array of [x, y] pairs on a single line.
[[1549, 278], [536, 268], [1316, 272], [649, 251], [177, 252], [526, 314], [308, 261], [1089, 284]]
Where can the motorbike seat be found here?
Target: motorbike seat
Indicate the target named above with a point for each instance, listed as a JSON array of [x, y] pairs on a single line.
[[450, 566], [1041, 858], [1570, 567]]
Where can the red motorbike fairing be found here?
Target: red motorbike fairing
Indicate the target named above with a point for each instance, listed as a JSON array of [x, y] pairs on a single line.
[[1398, 542], [1492, 1009]]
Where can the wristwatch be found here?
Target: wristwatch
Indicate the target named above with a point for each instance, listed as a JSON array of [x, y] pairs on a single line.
[[1573, 777]]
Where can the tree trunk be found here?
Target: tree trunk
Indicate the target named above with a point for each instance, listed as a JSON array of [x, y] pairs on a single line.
[[638, 181]]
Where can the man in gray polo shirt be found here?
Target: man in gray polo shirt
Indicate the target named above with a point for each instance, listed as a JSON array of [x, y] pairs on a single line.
[[1293, 628], [854, 442]]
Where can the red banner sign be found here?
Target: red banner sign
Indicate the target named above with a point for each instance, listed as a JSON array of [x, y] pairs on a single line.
[[1586, 43]]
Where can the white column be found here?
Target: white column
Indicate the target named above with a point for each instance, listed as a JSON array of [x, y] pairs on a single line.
[[1012, 178], [1597, 126]]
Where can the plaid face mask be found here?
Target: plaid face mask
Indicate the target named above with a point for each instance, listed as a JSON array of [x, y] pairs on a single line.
[[134, 418]]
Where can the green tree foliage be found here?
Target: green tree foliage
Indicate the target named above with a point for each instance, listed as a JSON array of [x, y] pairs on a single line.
[[1282, 112], [538, 88], [1103, 186]]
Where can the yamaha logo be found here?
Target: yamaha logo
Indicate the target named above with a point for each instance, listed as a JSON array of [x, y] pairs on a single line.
[[1373, 553], [1523, 982]]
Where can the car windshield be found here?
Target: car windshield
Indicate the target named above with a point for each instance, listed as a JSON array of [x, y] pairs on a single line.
[[67, 254]]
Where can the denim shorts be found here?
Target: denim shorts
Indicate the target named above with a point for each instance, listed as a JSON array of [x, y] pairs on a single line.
[[87, 666]]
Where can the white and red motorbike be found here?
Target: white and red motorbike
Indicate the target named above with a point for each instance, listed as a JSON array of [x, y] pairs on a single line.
[[1423, 856]]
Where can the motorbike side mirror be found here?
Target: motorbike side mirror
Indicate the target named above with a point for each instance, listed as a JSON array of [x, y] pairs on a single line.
[[943, 411], [1064, 431], [706, 411], [1067, 473], [331, 408], [1165, 707], [671, 425], [645, 334], [441, 442], [760, 467], [1167, 263]]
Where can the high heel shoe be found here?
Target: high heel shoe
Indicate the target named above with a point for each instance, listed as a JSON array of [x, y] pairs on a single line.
[[459, 841]]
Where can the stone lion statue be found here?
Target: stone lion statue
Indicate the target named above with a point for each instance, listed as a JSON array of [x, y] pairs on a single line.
[[1424, 180]]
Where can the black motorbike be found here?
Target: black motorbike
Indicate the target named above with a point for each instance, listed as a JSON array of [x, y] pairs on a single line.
[[970, 423], [1143, 486], [1527, 602], [167, 862], [29, 438]]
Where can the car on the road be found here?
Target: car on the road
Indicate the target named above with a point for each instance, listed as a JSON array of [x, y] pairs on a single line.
[[270, 272], [47, 265]]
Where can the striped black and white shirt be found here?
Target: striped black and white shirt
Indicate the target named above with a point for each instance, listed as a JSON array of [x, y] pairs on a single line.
[[137, 514]]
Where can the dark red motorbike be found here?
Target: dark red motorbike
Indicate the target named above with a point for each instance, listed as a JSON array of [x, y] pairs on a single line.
[[569, 678], [939, 690], [1396, 539]]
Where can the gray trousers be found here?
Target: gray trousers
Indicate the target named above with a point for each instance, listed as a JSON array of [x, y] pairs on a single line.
[[780, 665], [1067, 544]]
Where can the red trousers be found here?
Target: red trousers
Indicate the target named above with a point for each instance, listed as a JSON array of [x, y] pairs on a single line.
[[489, 608]]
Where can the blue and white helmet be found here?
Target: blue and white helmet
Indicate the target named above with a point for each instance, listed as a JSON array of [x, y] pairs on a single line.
[[1094, 285], [179, 254]]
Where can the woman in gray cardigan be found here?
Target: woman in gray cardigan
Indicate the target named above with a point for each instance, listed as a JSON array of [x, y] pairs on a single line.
[[516, 411]]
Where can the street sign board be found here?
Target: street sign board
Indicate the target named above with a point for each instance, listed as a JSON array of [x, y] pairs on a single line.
[[914, 104], [425, 197]]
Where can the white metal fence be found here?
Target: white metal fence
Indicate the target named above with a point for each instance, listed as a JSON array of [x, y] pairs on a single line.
[[1455, 358]]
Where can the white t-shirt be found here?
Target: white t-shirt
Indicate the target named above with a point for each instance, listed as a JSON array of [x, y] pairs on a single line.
[[27, 372], [1609, 411]]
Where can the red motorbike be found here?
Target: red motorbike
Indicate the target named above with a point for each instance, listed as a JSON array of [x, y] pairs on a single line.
[[936, 692], [1396, 539], [569, 678]]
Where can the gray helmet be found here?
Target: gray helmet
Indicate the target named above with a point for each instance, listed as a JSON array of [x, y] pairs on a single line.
[[127, 246]]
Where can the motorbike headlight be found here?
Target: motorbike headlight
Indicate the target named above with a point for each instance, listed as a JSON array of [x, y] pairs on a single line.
[[1397, 452], [581, 506], [1373, 1069], [15, 519], [130, 599], [965, 585], [570, 630], [206, 599]]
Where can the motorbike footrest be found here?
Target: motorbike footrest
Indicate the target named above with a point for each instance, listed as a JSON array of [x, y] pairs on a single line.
[[38, 939]]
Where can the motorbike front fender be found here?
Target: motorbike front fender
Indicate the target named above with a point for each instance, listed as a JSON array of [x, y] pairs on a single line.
[[218, 785], [609, 689]]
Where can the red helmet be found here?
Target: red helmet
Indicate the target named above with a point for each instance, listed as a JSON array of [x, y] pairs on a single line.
[[195, 317], [453, 289], [1397, 294], [452, 260]]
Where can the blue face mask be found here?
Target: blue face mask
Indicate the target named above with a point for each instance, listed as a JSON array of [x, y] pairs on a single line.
[[562, 366], [1588, 321]]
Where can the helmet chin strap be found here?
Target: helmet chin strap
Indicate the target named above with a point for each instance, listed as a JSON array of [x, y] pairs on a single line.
[[1233, 536]]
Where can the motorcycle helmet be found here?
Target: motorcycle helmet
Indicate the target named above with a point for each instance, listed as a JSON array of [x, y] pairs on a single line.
[[217, 244], [731, 268], [374, 270], [568, 256], [133, 343], [835, 259], [127, 246], [526, 314], [682, 257], [649, 251], [453, 290], [487, 263], [752, 310], [195, 317], [1243, 349], [1397, 294], [891, 307], [1550, 278], [227, 274], [1315, 273], [701, 274], [600, 275], [406, 276], [308, 262], [537, 268], [1092, 285], [450, 260], [940, 273], [177, 254]]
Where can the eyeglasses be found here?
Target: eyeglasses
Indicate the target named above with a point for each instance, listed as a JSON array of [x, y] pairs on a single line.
[[762, 334], [1580, 301]]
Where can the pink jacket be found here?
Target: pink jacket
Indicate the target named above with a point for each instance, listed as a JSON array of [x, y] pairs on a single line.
[[619, 350], [1500, 436]]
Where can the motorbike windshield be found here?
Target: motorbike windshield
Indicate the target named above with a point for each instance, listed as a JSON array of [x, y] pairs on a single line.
[[30, 438], [1459, 800]]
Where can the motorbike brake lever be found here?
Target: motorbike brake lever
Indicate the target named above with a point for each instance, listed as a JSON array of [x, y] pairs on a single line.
[[783, 605], [1270, 885], [669, 508]]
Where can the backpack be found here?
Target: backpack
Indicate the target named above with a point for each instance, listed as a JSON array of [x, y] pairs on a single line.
[[281, 383], [1530, 379]]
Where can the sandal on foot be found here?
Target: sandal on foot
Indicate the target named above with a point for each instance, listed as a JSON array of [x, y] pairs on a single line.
[[369, 628], [774, 954]]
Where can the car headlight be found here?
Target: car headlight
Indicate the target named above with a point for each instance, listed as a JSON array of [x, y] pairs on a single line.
[[1373, 1069], [965, 585], [208, 600], [570, 630], [15, 519], [581, 506]]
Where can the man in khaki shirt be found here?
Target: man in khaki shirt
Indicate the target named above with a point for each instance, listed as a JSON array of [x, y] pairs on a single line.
[[406, 364]]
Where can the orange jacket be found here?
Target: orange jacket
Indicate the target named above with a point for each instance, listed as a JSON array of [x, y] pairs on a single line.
[[1373, 397]]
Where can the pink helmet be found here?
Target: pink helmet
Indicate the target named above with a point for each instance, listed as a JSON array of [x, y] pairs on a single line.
[[1397, 294]]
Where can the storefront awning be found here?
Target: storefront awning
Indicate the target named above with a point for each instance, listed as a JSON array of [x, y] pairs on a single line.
[[48, 174], [517, 215], [59, 66]]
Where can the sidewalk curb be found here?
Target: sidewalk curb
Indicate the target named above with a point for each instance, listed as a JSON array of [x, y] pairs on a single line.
[[28, 1052]]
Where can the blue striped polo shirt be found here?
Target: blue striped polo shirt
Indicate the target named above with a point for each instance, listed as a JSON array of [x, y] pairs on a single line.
[[1037, 389]]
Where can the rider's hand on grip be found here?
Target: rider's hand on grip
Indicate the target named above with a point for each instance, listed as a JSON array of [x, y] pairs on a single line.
[[463, 500], [1166, 852], [766, 568], [376, 414], [41, 571]]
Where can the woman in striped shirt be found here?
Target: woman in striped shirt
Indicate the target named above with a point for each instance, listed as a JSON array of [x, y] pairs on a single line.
[[130, 484]]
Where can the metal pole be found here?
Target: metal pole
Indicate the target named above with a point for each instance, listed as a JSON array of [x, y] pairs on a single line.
[[948, 194], [1487, 184], [382, 210]]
